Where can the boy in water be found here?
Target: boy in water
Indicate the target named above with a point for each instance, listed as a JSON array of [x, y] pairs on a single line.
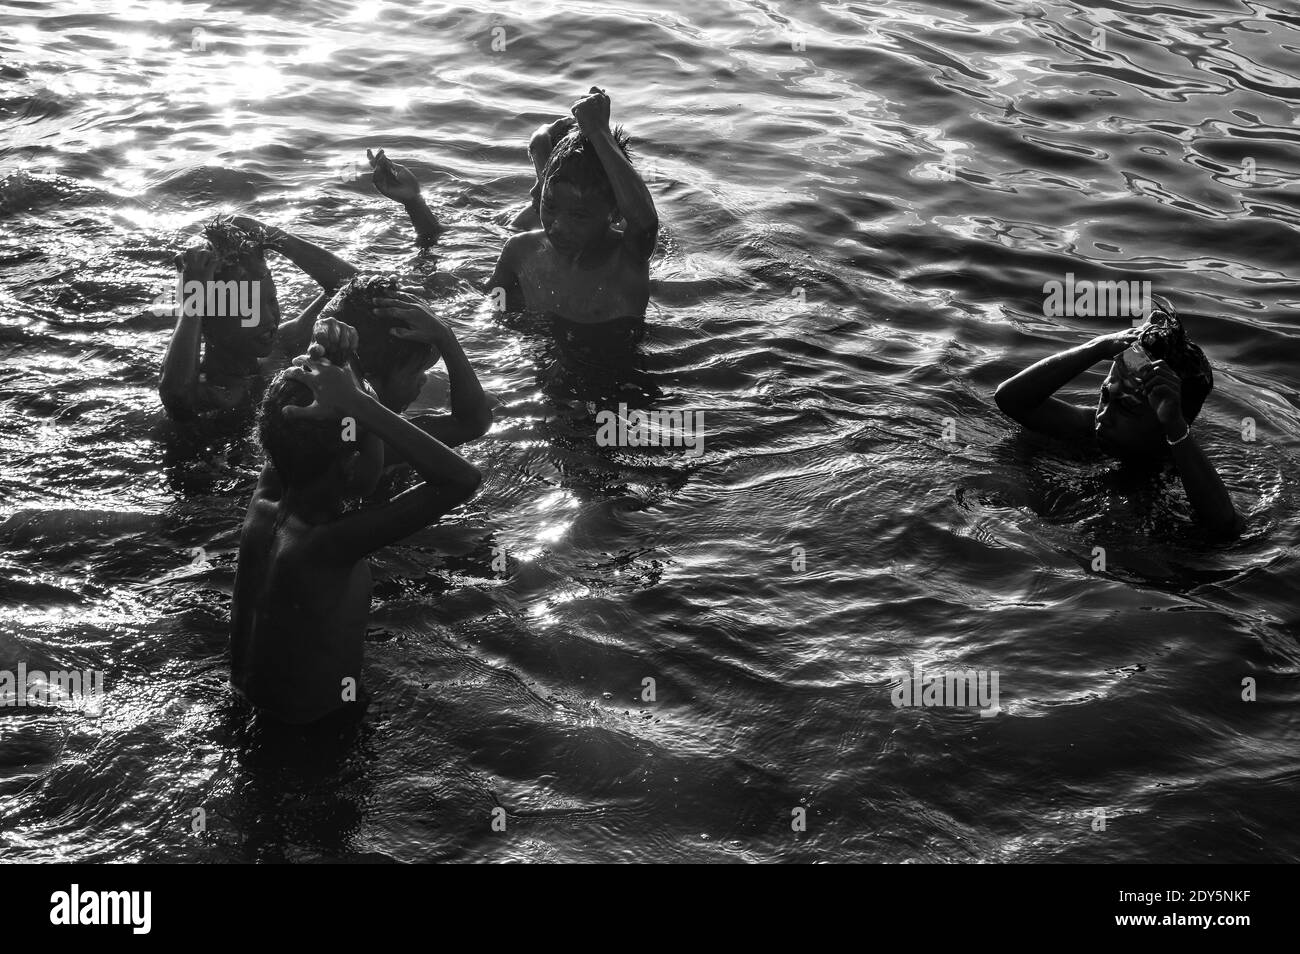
[[216, 359], [392, 339], [302, 589], [1145, 411], [364, 313], [213, 358], [577, 265]]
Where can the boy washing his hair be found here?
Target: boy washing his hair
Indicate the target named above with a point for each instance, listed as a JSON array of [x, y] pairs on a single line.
[[577, 265], [1144, 412]]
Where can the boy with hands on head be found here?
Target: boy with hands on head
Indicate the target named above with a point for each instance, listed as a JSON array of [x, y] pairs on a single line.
[[302, 588], [577, 265], [1156, 385]]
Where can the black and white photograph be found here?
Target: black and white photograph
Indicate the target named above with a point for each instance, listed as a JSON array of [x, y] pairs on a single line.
[[651, 432]]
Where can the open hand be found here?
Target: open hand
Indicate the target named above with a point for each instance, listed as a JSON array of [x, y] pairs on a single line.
[[592, 112], [333, 386], [393, 179]]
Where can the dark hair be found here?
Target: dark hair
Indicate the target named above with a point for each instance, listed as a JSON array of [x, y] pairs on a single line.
[[233, 245], [378, 352], [574, 160], [1164, 338], [300, 449]]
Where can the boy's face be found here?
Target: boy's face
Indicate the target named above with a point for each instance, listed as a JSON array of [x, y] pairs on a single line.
[[573, 218], [228, 332], [1126, 424]]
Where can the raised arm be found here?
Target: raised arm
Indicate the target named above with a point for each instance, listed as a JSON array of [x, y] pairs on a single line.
[[1205, 490], [1028, 396], [634, 202], [471, 416], [178, 386], [399, 184], [293, 337], [325, 268], [449, 480]]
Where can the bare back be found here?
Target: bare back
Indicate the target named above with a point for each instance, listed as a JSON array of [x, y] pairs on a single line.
[[298, 621]]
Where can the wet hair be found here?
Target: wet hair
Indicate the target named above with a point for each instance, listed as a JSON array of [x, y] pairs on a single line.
[[231, 243], [300, 449], [240, 252], [378, 352], [574, 160], [1164, 338]]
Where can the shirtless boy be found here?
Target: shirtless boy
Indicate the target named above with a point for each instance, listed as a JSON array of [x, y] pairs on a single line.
[[302, 589], [577, 265], [1145, 411]]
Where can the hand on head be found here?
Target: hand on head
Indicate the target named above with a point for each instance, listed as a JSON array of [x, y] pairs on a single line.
[[592, 112], [560, 128], [1163, 390], [335, 388], [419, 321], [334, 339], [272, 235]]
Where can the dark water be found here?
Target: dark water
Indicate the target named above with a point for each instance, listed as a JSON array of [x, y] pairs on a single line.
[[829, 297]]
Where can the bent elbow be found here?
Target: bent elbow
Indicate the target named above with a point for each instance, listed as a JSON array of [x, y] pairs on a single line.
[[481, 423], [1001, 398], [175, 401], [468, 484]]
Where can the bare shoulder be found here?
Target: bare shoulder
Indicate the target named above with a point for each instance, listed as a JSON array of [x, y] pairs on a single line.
[[523, 244]]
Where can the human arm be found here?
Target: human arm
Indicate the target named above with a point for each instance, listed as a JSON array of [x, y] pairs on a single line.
[[398, 183], [178, 387], [1027, 397], [324, 267], [471, 416], [449, 479], [293, 337], [1205, 490], [630, 193]]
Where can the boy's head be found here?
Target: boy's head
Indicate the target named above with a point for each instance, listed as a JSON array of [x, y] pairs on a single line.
[[306, 450], [394, 367], [578, 204], [247, 315], [1126, 423]]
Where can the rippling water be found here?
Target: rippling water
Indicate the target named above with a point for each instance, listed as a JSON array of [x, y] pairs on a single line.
[[860, 205]]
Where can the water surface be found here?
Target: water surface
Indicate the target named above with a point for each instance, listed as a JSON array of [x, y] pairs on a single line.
[[860, 204]]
